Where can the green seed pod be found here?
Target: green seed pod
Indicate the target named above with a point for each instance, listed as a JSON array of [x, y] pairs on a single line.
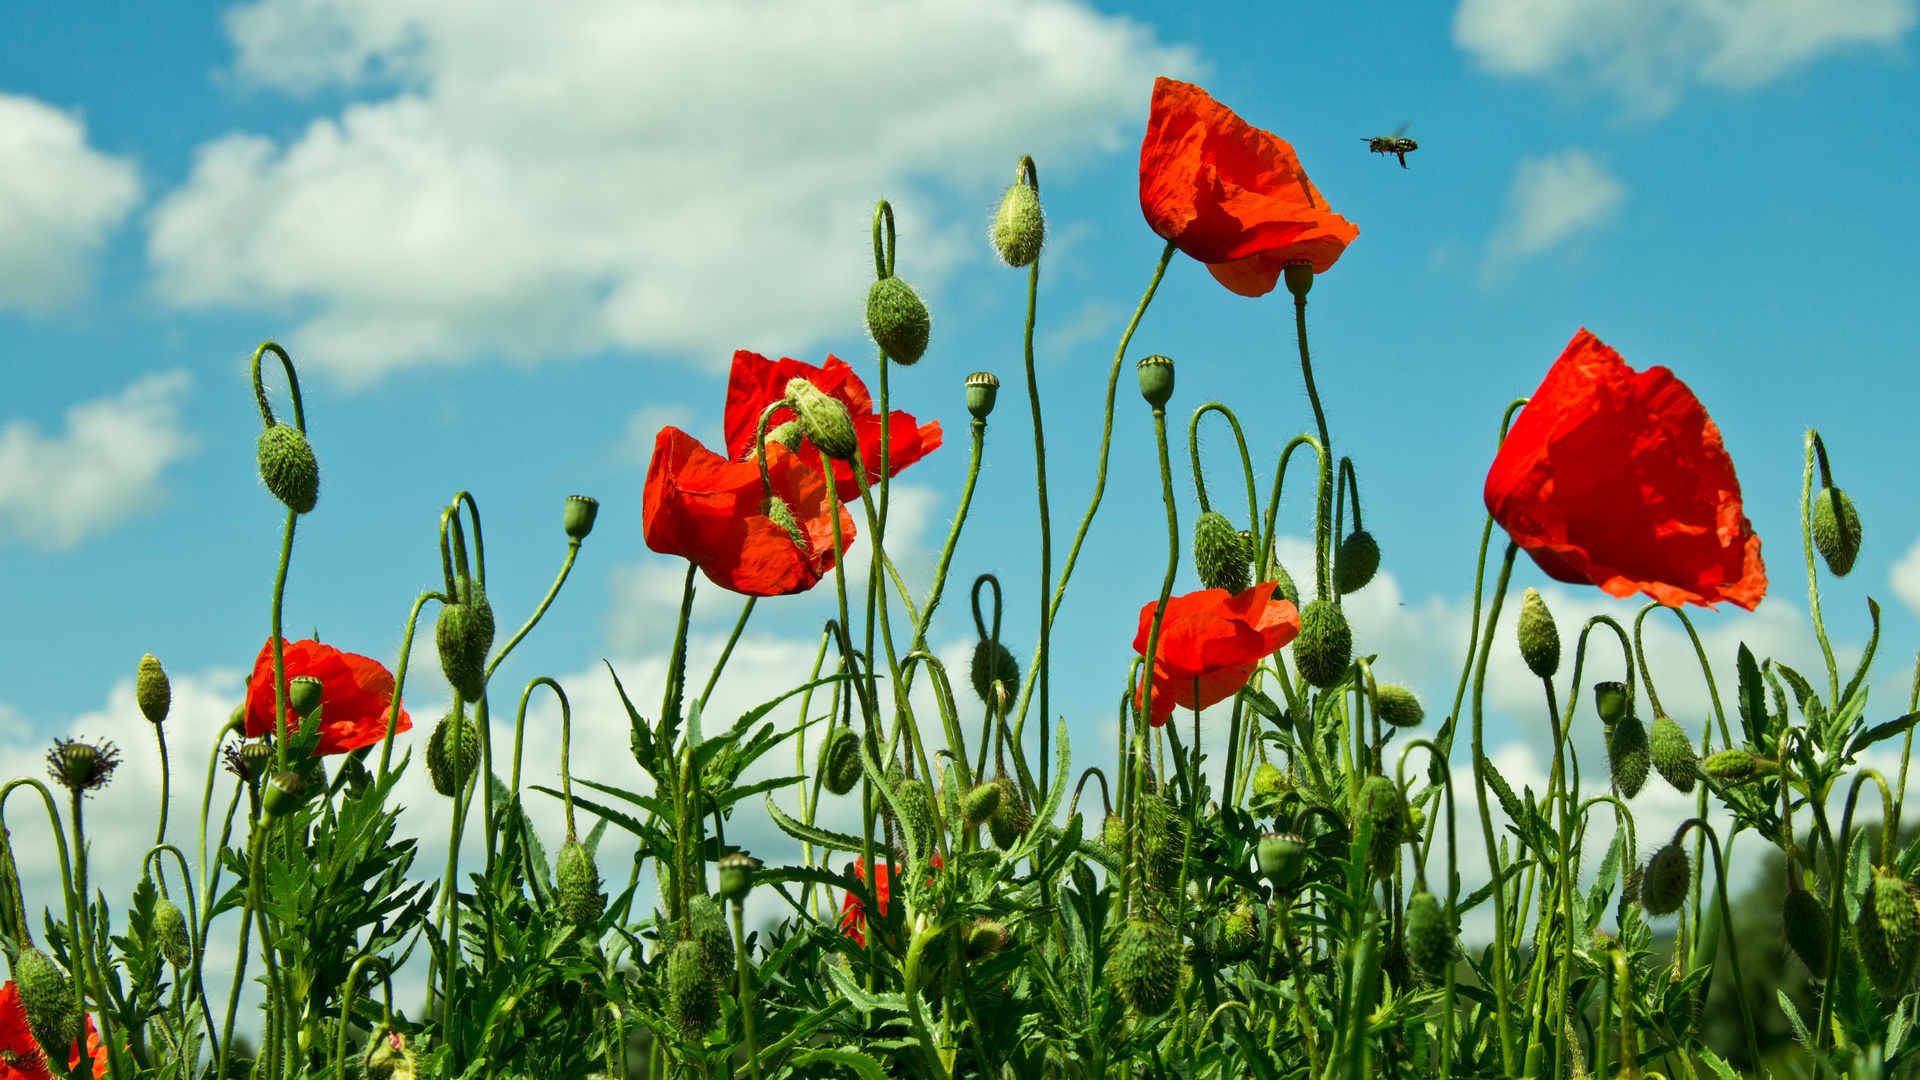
[[576, 881], [781, 514], [840, 760], [578, 515], [256, 758], [289, 468], [1887, 934], [1734, 766], [985, 938], [152, 691], [170, 931], [1113, 834], [1610, 701], [993, 663], [1324, 646], [1672, 754], [693, 996], [1804, 922], [47, 997], [1299, 278], [1430, 941], [1218, 554], [1836, 530], [1146, 966], [1383, 807], [1156, 380], [1019, 226], [1539, 637], [1281, 857], [1234, 934], [1398, 706], [736, 875], [983, 387], [1011, 819], [283, 795], [81, 766], [1663, 887], [824, 418], [305, 694], [449, 774], [1356, 561], [1627, 755], [979, 804], [897, 320], [915, 800]]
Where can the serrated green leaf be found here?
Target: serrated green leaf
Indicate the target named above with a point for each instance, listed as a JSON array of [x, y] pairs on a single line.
[[813, 834], [862, 1065], [860, 999]]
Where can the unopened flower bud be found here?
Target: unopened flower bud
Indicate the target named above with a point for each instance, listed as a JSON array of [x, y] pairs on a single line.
[[789, 434], [1664, 884], [452, 752], [464, 634], [898, 321], [982, 388], [985, 939], [1539, 637], [576, 883], [1672, 753], [978, 805], [1398, 706], [1324, 645], [1610, 701], [283, 795], [1283, 586], [1385, 810], [1010, 820], [1146, 966], [1628, 755], [1299, 275], [781, 514], [1836, 530], [289, 468], [1233, 936], [1734, 766], [1805, 926], [693, 996], [152, 691], [48, 999], [388, 1057], [303, 695], [577, 516], [1113, 834], [840, 760], [736, 875], [995, 673], [825, 419], [1156, 380], [1019, 226], [1887, 934], [1219, 556], [171, 934], [1430, 941], [1356, 561]]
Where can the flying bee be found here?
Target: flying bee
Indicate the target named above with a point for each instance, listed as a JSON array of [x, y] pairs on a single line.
[[1396, 144]]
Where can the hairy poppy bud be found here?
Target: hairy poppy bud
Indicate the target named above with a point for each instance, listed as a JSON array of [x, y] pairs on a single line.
[[1299, 277], [171, 934], [983, 387], [1836, 530], [577, 884], [1324, 646], [448, 764], [1539, 637], [1163, 837], [782, 515], [1281, 856], [1672, 754], [283, 795], [1012, 818], [578, 516], [1382, 807], [840, 760], [1218, 554], [1019, 227], [1610, 701], [81, 766], [707, 925], [1398, 706], [915, 800], [1887, 934], [289, 468], [1804, 923], [1734, 766], [789, 434], [897, 320], [48, 999], [1283, 586], [1156, 380], [1663, 885], [1233, 935], [824, 418], [1627, 755], [985, 938], [995, 673], [1270, 787], [1430, 941], [463, 634], [1113, 833], [152, 691], [1356, 561], [736, 875], [980, 803], [1146, 966], [693, 996]]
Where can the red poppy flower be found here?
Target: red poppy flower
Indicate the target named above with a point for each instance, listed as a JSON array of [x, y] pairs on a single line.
[[1231, 195], [1618, 478], [1210, 642], [757, 382], [713, 512], [853, 913], [356, 695], [20, 1055]]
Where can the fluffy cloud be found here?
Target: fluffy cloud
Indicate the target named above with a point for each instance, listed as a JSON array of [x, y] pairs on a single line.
[[1905, 578], [59, 198], [1554, 199], [56, 490], [1648, 51], [676, 175]]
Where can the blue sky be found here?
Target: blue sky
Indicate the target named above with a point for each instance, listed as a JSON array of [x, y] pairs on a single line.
[[506, 242]]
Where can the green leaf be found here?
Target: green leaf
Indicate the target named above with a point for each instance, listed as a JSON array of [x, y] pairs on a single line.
[[1510, 803], [1483, 893], [1882, 732], [813, 834], [862, 1065], [1810, 705], [1753, 700], [1259, 702], [1609, 873], [862, 1000], [1720, 1068], [1866, 658]]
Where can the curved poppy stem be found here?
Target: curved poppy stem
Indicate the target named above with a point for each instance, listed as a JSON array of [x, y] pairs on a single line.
[[399, 682], [1173, 565], [1726, 918], [519, 736], [1246, 466], [953, 539], [1322, 534], [1447, 997], [1816, 449], [903, 709], [1500, 975], [1043, 672], [746, 612], [1699, 651]]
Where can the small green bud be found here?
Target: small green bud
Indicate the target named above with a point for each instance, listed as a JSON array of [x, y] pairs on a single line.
[[1281, 857], [1887, 934], [1356, 561], [48, 999], [152, 691], [1627, 755], [1398, 706], [840, 760], [1283, 586], [1146, 966], [1734, 766], [782, 515], [577, 884], [1431, 943], [171, 933], [1113, 834], [980, 803], [736, 875], [1156, 380], [1010, 820], [1019, 226], [1233, 934], [1836, 530], [1610, 701], [915, 800], [995, 674], [1805, 925], [693, 996], [1383, 807], [1324, 646], [578, 516], [1299, 275], [388, 1057], [985, 938], [1539, 637], [283, 795], [707, 925], [303, 695], [1663, 887], [449, 766], [824, 418], [289, 468], [1219, 555], [463, 634], [1672, 753], [983, 387], [255, 759], [897, 320]]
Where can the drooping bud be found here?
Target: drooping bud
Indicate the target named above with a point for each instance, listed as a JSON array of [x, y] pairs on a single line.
[[81, 766], [1299, 275], [693, 996], [983, 387], [48, 999], [448, 764], [1156, 380], [980, 803], [995, 673], [1383, 808], [1734, 766], [840, 760], [1398, 706], [1281, 857], [1113, 833], [171, 933], [1836, 530], [985, 938], [1663, 886], [576, 881], [1430, 941], [1610, 701], [289, 468], [736, 875], [578, 516], [1672, 753], [1627, 755], [824, 418], [1804, 923], [1356, 561], [1539, 637], [152, 691], [1146, 966], [1887, 934], [1019, 226], [1283, 586], [1324, 646], [1233, 935], [463, 634], [283, 795], [897, 320], [1218, 554], [915, 800], [788, 434], [782, 515], [1012, 818]]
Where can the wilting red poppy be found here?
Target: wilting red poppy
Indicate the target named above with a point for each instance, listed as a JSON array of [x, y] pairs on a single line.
[[757, 382], [20, 1055], [1210, 642], [713, 512], [853, 913], [1231, 195], [1618, 478], [356, 694]]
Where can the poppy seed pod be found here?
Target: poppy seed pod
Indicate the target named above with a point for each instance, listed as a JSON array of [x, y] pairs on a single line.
[[1627, 755], [577, 884], [824, 418], [283, 795], [985, 938], [1733, 766], [897, 320], [1887, 934], [736, 875], [993, 663], [48, 999], [1234, 935], [1539, 637], [1299, 275], [171, 934], [1356, 561], [1430, 941], [152, 691], [1012, 818], [1019, 225], [255, 758], [304, 694], [1281, 857], [289, 468], [81, 766], [979, 804], [1610, 701], [693, 997], [578, 515], [781, 514], [1398, 706], [1805, 925], [1672, 754], [840, 760], [983, 388], [1218, 554], [1836, 530], [1325, 645], [1156, 380], [707, 925], [1146, 966], [1663, 886], [448, 765]]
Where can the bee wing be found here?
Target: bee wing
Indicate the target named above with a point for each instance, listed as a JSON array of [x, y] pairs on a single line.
[[1402, 129]]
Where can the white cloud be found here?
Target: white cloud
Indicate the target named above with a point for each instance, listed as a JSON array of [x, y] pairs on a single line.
[[56, 490], [1553, 199], [1648, 51], [682, 176], [59, 198], [1905, 578]]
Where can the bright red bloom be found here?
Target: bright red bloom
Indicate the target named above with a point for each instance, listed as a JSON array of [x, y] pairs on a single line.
[[853, 913], [1231, 195], [1212, 640], [713, 512], [757, 382], [1618, 478], [20, 1055], [356, 695]]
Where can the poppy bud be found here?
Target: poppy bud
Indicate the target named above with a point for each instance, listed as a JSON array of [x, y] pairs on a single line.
[[255, 757], [171, 934], [1019, 226], [707, 925], [303, 695], [1325, 644], [388, 1057], [1734, 766], [1398, 706], [1357, 560], [283, 795], [1382, 807], [736, 875], [824, 418], [446, 767], [840, 761], [980, 803], [1012, 818], [1610, 701], [1539, 637], [897, 320], [1113, 834], [1804, 923], [464, 633], [289, 468], [782, 515], [693, 997], [915, 800], [48, 999], [1836, 530], [982, 388], [1299, 275], [788, 434], [1218, 554], [577, 884], [1146, 966], [985, 938], [1234, 934], [152, 691], [1156, 380], [578, 515], [82, 766], [993, 663], [1627, 755], [1672, 754], [1430, 941], [1663, 886], [1281, 856], [1887, 934], [1270, 787], [1283, 586]]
